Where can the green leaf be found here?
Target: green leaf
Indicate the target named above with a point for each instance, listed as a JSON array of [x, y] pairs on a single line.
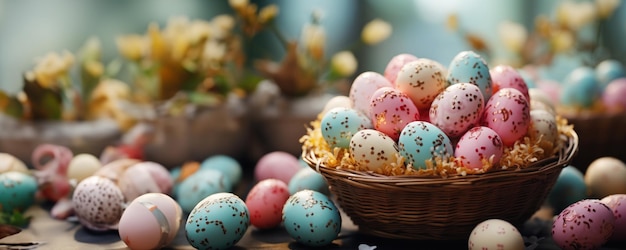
[[46, 103], [16, 218]]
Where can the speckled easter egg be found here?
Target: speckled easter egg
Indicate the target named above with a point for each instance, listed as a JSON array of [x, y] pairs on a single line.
[[363, 87], [469, 67], [568, 189], [265, 203], [613, 96], [373, 149], [307, 178], [311, 218], [277, 165], [219, 221], [98, 203], [200, 185], [609, 70], [338, 126], [421, 141], [391, 110], [617, 204], [18, 191], [543, 128], [505, 76], [586, 224], [508, 113], [225, 164], [395, 65], [421, 80], [580, 88], [606, 176], [479, 144], [457, 109], [495, 234]]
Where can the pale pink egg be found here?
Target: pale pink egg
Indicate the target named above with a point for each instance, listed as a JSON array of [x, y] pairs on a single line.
[[422, 80], [617, 204], [391, 110], [145, 177], [477, 145], [265, 203], [277, 165], [363, 87], [508, 113], [505, 76], [613, 95], [586, 224], [395, 64], [457, 109]]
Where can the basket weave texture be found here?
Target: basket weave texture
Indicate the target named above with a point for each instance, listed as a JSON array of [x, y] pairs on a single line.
[[436, 208]]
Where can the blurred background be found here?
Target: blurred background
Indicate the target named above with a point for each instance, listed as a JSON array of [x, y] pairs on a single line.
[[30, 28]]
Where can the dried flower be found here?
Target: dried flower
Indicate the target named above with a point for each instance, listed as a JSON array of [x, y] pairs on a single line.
[[562, 40], [268, 13], [344, 63], [313, 40], [131, 47], [52, 69], [375, 31], [513, 35], [575, 15], [605, 8]]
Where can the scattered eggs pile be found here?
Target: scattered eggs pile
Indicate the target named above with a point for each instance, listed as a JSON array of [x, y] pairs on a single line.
[[421, 118]]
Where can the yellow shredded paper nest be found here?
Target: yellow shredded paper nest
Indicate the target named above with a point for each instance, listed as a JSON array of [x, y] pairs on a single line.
[[520, 155]]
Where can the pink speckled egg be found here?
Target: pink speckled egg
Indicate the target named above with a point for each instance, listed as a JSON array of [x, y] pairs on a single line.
[[395, 64], [422, 80], [277, 165], [613, 95], [508, 113], [457, 109], [617, 204], [495, 234], [477, 145], [505, 76], [391, 110], [265, 203], [373, 149], [363, 87], [586, 224]]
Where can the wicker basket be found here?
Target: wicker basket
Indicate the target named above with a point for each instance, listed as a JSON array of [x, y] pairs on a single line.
[[435, 208]]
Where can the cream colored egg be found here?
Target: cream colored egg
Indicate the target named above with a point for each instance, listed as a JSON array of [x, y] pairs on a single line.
[[495, 234], [606, 176], [373, 149], [9, 163], [83, 166], [337, 101], [543, 128], [539, 105], [151, 221], [541, 96]]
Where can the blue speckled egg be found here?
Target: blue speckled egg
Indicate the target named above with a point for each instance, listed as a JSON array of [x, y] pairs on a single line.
[[18, 191], [609, 70], [200, 185], [580, 88], [311, 218], [219, 221], [226, 164], [568, 189], [339, 124], [307, 178], [469, 67], [421, 141]]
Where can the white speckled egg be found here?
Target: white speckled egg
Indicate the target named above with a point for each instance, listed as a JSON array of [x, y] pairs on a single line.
[[373, 149], [200, 185], [469, 67], [507, 113], [617, 204], [539, 95], [505, 76], [340, 124], [477, 145], [265, 203], [421, 141], [391, 110], [362, 88], [586, 224], [311, 218], [98, 203], [421, 80], [543, 127], [219, 221], [495, 234], [151, 221], [10, 163], [226, 164], [307, 178], [83, 166], [17, 191], [395, 65], [606, 176], [457, 109]]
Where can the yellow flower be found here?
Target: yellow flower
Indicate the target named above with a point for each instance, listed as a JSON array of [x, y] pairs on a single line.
[[131, 46], [562, 40], [268, 13], [344, 63], [575, 15], [452, 22], [213, 53], [513, 35], [49, 69], [222, 26], [313, 39], [238, 4], [198, 31], [606, 7], [158, 47], [375, 31]]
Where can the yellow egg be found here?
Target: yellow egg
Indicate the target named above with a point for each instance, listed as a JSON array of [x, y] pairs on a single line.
[[606, 176], [83, 166]]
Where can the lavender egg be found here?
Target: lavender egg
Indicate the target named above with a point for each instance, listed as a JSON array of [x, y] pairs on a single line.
[[467, 66], [339, 124], [586, 224], [311, 218], [421, 141], [457, 109]]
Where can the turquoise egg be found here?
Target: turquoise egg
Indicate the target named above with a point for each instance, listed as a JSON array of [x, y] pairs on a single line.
[[580, 88], [339, 124], [219, 221], [420, 141], [568, 189], [609, 70], [307, 178], [199, 185], [311, 218], [225, 164], [17, 191], [469, 67]]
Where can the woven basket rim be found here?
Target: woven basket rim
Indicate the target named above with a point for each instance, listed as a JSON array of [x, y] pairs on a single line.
[[561, 159]]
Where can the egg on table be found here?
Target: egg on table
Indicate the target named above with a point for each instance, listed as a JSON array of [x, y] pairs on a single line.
[[495, 234], [98, 203], [311, 218], [586, 224], [151, 221], [18, 191], [265, 202]]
